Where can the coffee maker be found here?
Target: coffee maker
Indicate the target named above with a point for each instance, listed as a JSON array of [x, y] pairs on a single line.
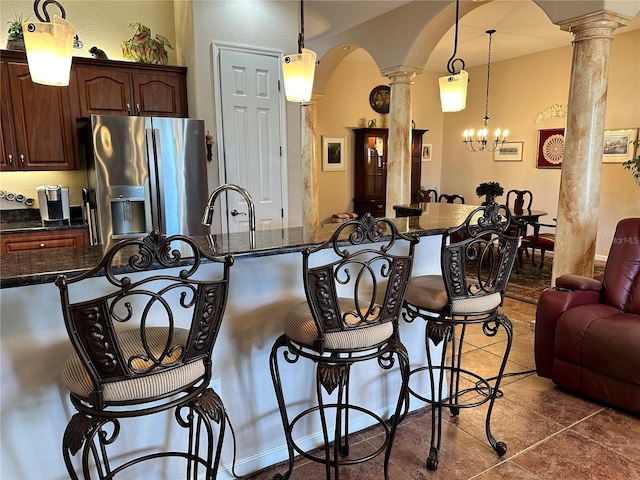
[[54, 205]]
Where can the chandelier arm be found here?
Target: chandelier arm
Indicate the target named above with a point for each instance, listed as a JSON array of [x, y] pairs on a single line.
[[452, 60], [45, 5]]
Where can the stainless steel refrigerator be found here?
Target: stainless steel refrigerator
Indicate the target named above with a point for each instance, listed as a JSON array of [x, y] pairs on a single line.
[[143, 174]]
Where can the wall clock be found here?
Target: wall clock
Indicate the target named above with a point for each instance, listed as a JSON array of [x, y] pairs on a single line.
[[379, 98]]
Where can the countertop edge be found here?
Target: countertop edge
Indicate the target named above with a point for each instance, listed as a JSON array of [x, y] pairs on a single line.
[[38, 278], [40, 267]]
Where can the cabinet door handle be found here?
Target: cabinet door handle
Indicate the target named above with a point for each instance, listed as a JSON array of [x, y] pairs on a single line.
[[138, 109], [10, 160], [128, 109], [42, 245], [22, 159]]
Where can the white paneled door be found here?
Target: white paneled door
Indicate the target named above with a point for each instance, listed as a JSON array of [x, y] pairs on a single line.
[[250, 126]]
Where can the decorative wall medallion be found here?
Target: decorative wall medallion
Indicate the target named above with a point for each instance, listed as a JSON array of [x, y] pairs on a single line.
[[554, 111]]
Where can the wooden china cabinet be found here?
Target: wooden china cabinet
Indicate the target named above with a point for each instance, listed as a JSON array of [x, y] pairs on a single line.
[[370, 163]]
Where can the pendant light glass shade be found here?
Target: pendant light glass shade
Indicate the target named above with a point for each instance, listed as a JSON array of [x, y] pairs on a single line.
[[453, 91], [49, 47], [298, 71]]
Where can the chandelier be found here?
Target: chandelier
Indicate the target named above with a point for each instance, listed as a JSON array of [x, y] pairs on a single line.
[[481, 142]]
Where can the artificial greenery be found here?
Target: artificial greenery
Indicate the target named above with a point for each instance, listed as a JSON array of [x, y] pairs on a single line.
[[15, 29], [144, 49], [634, 164], [490, 189]]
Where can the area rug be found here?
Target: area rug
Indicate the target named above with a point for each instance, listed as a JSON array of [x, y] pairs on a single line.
[[527, 284]]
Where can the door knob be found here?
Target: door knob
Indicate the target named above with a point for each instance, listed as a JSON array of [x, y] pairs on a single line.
[[235, 212]]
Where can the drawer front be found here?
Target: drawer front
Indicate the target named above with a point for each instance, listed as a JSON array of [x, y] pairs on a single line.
[[17, 242]]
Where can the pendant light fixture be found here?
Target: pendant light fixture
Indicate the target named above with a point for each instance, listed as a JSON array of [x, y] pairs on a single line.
[[453, 88], [298, 70], [481, 143], [49, 45]]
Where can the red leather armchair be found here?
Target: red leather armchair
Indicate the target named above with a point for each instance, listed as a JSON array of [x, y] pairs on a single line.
[[587, 334]]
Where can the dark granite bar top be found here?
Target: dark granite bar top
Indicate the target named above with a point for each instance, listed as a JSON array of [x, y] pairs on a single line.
[[43, 266]]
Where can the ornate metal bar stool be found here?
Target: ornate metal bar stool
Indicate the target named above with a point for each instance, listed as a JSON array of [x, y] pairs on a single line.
[[476, 259], [143, 347], [354, 291]]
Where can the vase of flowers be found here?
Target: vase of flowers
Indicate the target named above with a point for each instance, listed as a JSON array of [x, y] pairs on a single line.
[[490, 190], [144, 49]]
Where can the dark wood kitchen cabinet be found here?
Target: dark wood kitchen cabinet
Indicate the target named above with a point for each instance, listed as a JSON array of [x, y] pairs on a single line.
[[370, 163], [125, 88], [36, 119]]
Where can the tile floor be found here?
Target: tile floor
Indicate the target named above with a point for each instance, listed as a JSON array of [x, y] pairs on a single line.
[[550, 433]]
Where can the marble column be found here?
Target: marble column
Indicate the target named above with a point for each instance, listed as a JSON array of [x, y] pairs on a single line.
[[310, 162], [577, 220], [399, 141]]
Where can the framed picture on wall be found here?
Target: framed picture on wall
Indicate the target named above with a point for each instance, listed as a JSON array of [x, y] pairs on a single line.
[[550, 148], [426, 152], [332, 154], [509, 152], [617, 145]]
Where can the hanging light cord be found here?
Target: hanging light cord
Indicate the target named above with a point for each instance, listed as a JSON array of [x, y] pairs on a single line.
[[450, 64], [301, 34], [486, 105]]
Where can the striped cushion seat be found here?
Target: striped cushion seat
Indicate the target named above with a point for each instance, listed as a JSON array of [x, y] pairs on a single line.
[[428, 292], [299, 326], [76, 379]]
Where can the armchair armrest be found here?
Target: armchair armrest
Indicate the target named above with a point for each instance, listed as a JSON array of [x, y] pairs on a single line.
[[570, 291], [577, 282]]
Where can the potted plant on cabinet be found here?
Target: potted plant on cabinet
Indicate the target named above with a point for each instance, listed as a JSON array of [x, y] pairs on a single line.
[[634, 164], [490, 190], [15, 39]]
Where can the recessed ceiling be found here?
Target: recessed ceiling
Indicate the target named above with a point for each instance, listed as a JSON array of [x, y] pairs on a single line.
[[522, 28]]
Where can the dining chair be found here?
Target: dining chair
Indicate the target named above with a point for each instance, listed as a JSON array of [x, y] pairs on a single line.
[[476, 262], [536, 240], [143, 332], [354, 285], [444, 198], [520, 199], [429, 195]]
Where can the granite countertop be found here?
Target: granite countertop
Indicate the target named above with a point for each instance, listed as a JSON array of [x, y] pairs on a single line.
[[28, 220], [39, 266]]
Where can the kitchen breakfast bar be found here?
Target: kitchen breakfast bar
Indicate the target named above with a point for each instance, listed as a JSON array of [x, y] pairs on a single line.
[[266, 280]]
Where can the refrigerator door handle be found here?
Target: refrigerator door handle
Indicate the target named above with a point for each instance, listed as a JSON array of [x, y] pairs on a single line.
[[151, 135]]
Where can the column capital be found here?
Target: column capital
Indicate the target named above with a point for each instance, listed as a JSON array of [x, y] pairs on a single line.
[[594, 25], [401, 74]]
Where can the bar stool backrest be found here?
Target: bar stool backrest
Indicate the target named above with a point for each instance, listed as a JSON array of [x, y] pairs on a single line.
[[364, 282], [144, 325], [477, 259]]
